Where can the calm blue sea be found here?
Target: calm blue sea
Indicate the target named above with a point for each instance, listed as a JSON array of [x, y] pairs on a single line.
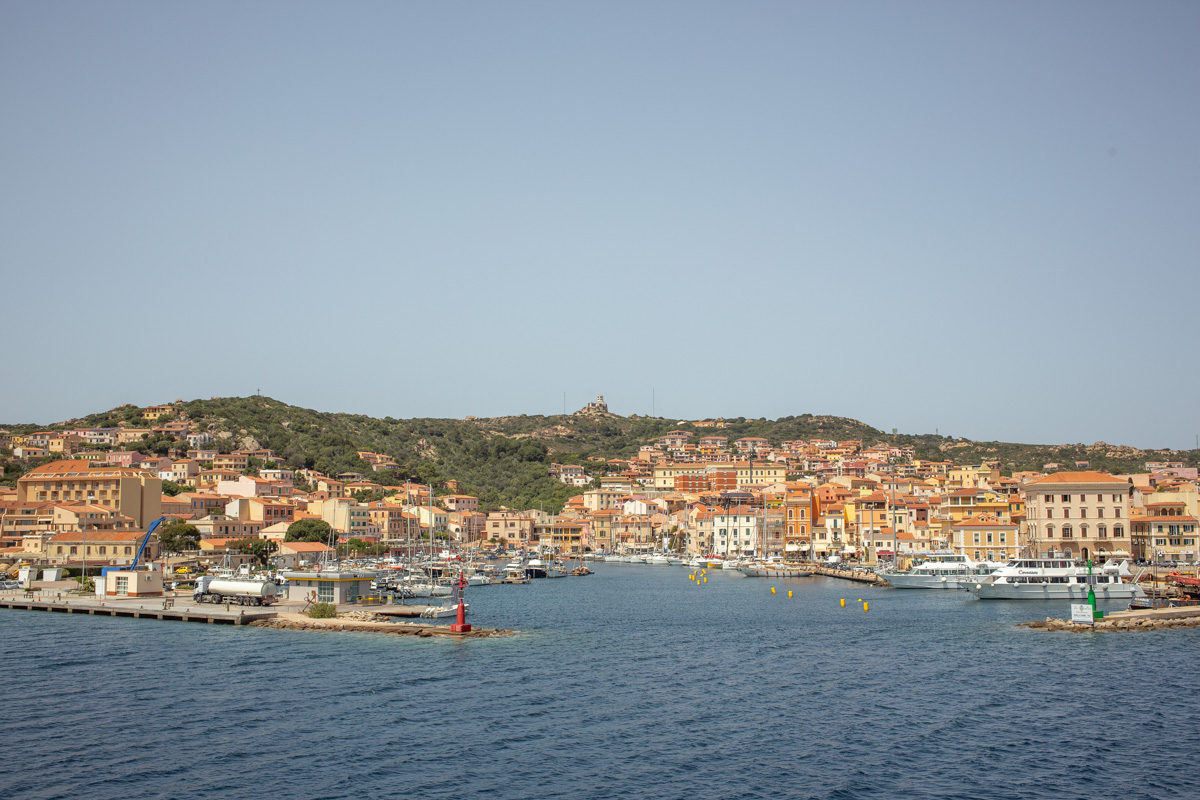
[[632, 683]]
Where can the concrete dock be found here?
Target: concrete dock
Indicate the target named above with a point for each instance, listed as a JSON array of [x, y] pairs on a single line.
[[363, 619], [138, 608]]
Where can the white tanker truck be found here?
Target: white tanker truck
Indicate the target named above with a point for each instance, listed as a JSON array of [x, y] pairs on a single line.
[[239, 591]]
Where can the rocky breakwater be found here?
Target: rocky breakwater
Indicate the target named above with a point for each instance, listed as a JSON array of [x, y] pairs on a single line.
[[1152, 620], [367, 622]]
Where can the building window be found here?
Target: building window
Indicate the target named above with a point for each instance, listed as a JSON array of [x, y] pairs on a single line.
[[1118, 532], [1102, 532], [1117, 513], [1100, 513], [1066, 532], [1049, 513], [1066, 513], [1066, 498], [1083, 513]]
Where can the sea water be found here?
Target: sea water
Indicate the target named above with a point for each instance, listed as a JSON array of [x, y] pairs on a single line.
[[634, 682]]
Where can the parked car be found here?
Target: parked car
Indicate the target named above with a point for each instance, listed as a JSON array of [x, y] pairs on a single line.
[[10, 585]]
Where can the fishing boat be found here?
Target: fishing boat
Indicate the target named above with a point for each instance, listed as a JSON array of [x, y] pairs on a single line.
[[1056, 579], [446, 609]]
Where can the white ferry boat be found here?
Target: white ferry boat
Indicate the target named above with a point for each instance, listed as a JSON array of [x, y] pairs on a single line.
[[1056, 579], [941, 571]]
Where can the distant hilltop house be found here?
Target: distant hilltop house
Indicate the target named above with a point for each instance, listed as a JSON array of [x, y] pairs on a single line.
[[598, 407]]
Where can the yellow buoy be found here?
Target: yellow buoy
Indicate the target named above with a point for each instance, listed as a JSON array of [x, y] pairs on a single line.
[[789, 592], [772, 590], [866, 606], [843, 602], [706, 579]]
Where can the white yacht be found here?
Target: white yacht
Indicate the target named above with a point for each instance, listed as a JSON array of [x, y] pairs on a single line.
[[941, 571], [1056, 579], [771, 569], [657, 559]]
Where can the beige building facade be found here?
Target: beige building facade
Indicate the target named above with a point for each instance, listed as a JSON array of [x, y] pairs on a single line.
[[1078, 515], [132, 492]]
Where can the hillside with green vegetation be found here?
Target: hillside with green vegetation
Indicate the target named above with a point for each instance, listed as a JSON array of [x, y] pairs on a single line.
[[505, 460]]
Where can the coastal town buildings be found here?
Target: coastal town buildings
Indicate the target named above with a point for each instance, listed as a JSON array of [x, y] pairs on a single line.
[[691, 489]]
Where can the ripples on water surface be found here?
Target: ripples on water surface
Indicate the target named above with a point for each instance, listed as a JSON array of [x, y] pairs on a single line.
[[632, 683]]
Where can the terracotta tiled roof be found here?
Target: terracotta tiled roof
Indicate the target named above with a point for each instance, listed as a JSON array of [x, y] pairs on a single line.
[[1089, 476]]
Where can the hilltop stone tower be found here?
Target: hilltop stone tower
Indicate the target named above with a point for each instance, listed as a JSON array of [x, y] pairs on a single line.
[[593, 409]]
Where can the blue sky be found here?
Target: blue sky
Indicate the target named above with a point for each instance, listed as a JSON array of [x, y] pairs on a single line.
[[975, 218]]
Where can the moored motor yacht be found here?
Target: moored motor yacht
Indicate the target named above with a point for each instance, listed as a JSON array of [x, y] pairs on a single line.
[[537, 568], [941, 571], [515, 575]]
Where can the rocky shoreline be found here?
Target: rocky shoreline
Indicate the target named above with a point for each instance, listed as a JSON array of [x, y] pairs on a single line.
[[366, 622], [1114, 625]]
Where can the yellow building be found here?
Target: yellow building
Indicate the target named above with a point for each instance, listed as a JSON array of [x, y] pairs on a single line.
[[132, 492], [986, 539], [158, 412]]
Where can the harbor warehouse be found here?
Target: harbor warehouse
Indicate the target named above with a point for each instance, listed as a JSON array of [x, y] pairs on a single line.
[[328, 586]]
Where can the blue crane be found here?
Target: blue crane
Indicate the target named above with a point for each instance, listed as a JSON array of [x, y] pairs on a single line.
[[145, 539]]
